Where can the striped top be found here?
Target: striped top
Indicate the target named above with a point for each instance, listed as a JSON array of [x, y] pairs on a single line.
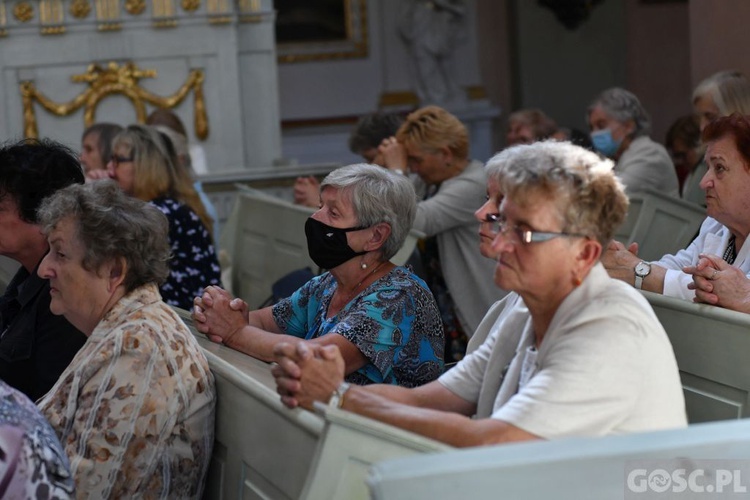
[[135, 408]]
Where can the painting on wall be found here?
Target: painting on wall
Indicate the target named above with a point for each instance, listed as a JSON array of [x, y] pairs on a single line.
[[312, 30]]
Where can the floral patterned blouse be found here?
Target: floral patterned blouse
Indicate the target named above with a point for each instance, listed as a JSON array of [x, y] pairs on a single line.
[[394, 322], [194, 264], [135, 408], [32, 461]]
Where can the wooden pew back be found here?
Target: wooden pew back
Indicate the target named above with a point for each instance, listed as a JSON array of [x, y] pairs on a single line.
[[711, 345], [661, 224], [566, 469], [264, 450]]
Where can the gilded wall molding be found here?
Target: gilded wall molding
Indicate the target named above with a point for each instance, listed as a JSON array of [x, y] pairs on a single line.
[[80, 9], [115, 79], [23, 12]]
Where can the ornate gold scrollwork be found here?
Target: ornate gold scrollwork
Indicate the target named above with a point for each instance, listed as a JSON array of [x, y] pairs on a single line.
[[80, 9], [191, 5], [135, 7], [115, 79], [23, 11]]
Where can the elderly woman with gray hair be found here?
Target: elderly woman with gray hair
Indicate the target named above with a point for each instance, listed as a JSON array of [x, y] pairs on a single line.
[[382, 318], [619, 130], [135, 408]]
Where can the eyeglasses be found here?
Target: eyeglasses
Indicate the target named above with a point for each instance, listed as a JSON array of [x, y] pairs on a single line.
[[499, 225], [120, 159]]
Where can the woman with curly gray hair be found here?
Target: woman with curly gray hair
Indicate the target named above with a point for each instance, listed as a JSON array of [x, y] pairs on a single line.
[[135, 408], [619, 130]]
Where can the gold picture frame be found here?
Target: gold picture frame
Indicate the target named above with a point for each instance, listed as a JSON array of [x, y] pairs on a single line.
[[315, 30]]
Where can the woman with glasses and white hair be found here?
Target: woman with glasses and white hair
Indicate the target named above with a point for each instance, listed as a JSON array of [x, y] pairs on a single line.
[[573, 352], [145, 168], [619, 130]]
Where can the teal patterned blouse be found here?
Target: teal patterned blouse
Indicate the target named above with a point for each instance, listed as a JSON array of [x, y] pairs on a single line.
[[394, 322]]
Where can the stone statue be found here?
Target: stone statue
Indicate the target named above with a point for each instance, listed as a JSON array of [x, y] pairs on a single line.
[[432, 29]]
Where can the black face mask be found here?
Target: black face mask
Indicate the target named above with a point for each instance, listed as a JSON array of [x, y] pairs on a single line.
[[327, 245]]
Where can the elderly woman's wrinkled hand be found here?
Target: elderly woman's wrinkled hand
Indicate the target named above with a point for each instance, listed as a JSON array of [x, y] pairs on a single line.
[[620, 261], [393, 154], [307, 192], [218, 315], [718, 283], [306, 373]]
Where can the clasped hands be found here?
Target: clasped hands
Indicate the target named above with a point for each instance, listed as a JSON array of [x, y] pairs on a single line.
[[306, 373], [218, 315], [718, 283]]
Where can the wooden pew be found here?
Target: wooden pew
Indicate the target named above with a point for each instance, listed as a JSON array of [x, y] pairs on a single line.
[[711, 345], [661, 224], [350, 444], [566, 469], [264, 450], [261, 449]]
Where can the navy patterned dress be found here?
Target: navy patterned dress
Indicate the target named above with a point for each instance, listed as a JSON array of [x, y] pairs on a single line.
[[394, 322], [194, 264]]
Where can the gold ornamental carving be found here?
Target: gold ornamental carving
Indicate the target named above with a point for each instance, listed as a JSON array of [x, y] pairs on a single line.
[[23, 11], [191, 5], [80, 9], [115, 79], [135, 7]]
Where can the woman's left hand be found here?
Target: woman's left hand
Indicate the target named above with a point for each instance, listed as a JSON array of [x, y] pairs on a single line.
[[716, 282], [218, 315], [306, 373]]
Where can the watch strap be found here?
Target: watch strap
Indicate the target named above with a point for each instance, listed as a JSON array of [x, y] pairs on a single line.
[[337, 398], [638, 282]]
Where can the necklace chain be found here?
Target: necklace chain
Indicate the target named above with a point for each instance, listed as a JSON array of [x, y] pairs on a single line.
[[354, 290]]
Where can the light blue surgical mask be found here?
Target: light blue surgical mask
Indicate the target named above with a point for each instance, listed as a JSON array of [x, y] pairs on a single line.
[[604, 143]]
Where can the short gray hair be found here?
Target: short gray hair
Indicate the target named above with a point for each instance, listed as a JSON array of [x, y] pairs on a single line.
[[729, 90], [590, 199], [622, 106], [378, 195], [110, 225]]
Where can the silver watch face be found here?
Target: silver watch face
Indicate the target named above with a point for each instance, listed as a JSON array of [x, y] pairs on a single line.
[[642, 269]]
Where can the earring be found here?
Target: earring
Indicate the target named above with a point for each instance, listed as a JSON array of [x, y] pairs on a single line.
[[363, 265], [577, 281]]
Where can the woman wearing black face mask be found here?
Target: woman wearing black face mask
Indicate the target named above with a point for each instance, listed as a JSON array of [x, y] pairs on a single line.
[[382, 317]]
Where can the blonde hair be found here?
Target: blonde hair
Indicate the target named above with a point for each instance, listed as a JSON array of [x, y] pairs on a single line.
[[432, 128], [157, 171]]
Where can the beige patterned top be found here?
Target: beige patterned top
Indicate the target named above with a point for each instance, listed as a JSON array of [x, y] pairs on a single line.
[[135, 408]]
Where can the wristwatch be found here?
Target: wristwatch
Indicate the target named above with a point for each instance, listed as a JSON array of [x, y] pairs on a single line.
[[337, 398], [642, 269]]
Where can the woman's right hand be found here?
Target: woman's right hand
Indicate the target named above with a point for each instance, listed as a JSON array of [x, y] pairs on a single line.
[[393, 154], [218, 315]]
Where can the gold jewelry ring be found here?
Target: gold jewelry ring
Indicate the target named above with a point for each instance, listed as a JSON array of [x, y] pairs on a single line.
[[713, 276]]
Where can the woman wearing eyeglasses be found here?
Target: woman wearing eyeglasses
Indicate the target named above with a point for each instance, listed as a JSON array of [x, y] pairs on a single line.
[[573, 352], [144, 167]]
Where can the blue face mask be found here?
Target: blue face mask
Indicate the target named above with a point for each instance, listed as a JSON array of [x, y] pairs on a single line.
[[604, 143]]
